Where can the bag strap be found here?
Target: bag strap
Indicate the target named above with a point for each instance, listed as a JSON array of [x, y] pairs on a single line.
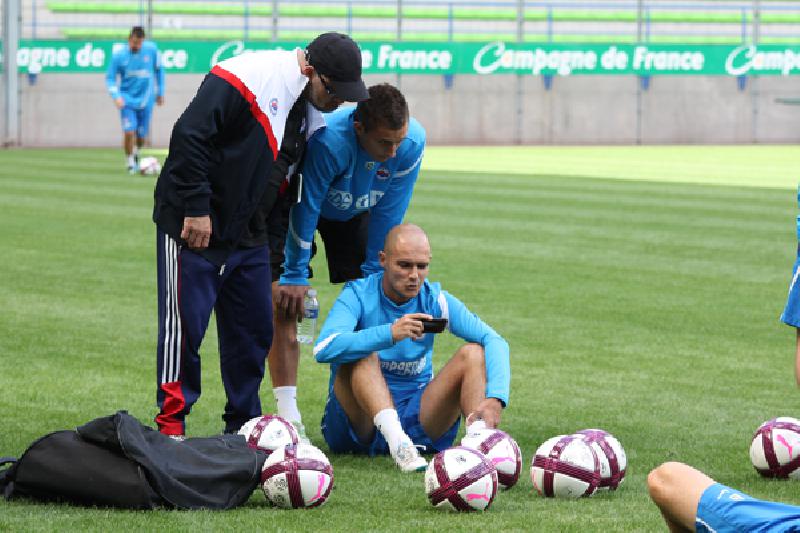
[[7, 476]]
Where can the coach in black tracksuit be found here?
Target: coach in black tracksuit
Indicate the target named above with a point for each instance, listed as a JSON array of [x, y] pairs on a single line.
[[217, 185]]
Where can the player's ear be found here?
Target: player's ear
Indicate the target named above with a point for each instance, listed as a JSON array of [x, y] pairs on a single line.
[[307, 70], [359, 127], [382, 258]]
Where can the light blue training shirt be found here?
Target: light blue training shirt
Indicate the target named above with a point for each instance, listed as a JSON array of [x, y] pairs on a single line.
[[340, 181], [360, 323], [138, 78]]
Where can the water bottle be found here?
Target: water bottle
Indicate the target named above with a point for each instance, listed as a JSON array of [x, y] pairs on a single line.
[[307, 329]]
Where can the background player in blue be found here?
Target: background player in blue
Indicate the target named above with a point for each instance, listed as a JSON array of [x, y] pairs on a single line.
[[381, 361], [791, 313], [689, 500], [358, 177], [141, 82]]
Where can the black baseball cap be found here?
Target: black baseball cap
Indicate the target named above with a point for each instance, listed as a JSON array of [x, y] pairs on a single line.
[[338, 57]]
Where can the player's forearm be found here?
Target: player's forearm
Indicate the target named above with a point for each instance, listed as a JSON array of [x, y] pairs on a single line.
[[113, 90], [111, 81], [349, 346], [191, 155], [297, 251], [498, 369], [160, 82]]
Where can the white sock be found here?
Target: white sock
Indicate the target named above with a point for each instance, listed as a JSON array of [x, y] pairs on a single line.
[[130, 160], [476, 426], [388, 423], [286, 399]]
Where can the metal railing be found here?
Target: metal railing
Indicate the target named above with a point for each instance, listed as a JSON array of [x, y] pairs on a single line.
[[544, 21]]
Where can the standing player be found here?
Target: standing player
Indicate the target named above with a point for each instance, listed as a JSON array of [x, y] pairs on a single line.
[[791, 313], [689, 500], [141, 81], [382, 395], [220, 177], [357, 180]]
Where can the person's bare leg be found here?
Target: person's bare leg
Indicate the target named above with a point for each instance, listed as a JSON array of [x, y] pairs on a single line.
[[362, 392], [676, 489], [128, 141], [284, 354], [283, 362], [797, 359], [457, 389]]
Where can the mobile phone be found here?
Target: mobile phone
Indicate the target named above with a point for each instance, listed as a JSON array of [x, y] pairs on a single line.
[[434, 325]]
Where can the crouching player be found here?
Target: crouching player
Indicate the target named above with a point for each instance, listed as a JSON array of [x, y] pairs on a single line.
[[689, 500], [382, 395]]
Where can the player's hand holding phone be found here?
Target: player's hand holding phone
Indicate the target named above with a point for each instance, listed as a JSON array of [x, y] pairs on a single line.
[[415, 325]]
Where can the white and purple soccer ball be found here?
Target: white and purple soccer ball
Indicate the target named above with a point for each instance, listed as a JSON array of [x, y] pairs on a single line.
[[461, 479], [775, 450], [149, 166], [297, 476], [565, 466], [269, 433], [501, 450], [613, 461]]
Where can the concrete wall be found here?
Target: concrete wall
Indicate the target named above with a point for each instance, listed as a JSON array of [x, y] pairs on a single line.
[[74, 110]]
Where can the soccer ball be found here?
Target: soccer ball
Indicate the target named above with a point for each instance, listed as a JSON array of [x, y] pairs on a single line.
[[297, 476], [565, 466], [268, 433], [501, 450], [461, 479], [149, 166], [611, 454], [775, 450]]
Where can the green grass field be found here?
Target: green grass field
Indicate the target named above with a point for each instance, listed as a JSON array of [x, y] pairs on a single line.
[[639, 289]]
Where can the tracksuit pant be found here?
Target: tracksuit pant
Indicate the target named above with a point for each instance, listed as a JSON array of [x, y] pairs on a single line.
[[240, 293]]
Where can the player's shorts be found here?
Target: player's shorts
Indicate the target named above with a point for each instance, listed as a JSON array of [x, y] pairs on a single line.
[[341, 437], [345, 244], [137, 120], [723, 509], [791, 313]]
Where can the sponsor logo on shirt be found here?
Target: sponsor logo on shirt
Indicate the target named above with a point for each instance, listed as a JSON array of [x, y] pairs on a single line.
[[273, 106], [340, 199], [137, 73], [366, 201], [383, 173], [369, 165], [404, 368]]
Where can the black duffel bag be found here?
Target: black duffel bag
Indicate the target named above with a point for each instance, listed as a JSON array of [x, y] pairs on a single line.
[[116, 461]]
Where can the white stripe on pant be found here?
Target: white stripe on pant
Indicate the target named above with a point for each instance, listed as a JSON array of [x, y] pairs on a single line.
[[173, 335]]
